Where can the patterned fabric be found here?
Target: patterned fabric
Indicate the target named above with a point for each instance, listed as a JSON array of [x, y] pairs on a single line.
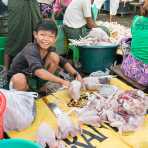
[[75, 33], [135, 70], [46, 10]]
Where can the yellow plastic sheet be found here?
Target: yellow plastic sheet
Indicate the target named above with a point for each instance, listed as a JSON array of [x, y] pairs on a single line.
[[104, 137]]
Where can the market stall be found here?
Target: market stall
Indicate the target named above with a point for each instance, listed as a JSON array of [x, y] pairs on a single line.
[[103, 137]]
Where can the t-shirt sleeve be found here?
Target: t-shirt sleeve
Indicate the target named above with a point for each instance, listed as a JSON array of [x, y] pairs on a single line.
[[86, 7], [63, 61], [33, 59]]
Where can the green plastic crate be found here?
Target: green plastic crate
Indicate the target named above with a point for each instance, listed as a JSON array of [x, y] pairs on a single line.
[[3, 41], [1, 56]]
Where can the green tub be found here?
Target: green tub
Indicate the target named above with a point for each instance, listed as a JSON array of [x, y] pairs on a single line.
[[94, 58]]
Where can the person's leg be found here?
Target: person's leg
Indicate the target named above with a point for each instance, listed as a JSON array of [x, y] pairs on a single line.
[[7, 61], [52, 62], [19, 82], [72, 33], [22, 19]]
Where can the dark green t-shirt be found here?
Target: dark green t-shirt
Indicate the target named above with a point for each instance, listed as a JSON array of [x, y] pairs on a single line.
[[139, 46]]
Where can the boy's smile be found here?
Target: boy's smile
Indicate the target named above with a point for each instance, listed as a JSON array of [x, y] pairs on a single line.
[[45, 39]]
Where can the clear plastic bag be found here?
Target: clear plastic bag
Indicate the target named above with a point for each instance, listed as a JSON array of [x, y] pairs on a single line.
[[91, 83], [74, 89], [114, 5], [20, 109]]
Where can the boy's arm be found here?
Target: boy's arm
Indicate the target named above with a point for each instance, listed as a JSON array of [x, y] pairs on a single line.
[[45, 75], [68, 67], [38, 70], [72, 71]]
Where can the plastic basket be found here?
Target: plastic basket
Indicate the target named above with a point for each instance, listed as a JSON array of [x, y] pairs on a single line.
[[2, 109], [18, 143]]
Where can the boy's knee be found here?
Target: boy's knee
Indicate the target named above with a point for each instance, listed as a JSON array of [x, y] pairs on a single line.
[[54, 58], [19, 82]]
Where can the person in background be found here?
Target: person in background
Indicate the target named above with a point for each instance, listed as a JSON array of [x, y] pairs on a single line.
[[38, 61], [135, 64], [23, 15], [46, 7], [78, 19], [59, 8]]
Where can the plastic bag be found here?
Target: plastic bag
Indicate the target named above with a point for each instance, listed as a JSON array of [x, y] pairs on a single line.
[[74, 89], [45, 135], [99, 3], [66, 127], [98, 33], [91, 83], [114, 5], [20, 109]]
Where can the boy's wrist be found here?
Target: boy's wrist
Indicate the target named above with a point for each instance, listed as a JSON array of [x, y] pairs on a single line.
[[76, 74], [61, 81]]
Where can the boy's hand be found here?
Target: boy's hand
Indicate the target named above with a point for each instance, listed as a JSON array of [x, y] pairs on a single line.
[[65, 83], [78, 77]]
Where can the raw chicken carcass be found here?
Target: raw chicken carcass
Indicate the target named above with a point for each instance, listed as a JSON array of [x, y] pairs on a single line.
[[89, 117], [45, 135], [66, 127]]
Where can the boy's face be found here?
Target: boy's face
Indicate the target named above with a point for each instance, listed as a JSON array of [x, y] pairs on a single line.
[[45, 39]]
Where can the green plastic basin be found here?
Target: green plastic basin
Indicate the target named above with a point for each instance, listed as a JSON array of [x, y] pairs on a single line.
[[94, 58], [18, 143]]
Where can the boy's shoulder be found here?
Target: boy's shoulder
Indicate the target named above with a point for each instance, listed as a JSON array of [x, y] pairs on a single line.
[[30, 47]]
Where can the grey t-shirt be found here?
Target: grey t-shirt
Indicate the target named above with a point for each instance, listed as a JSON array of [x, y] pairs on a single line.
[[28, 60]]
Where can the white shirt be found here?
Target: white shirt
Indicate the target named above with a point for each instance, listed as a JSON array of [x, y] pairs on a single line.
[[76, 13]]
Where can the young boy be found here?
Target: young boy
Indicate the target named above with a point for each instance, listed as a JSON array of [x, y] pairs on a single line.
[[38, 61]]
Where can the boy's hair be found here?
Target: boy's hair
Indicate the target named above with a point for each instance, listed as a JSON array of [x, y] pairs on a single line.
[[47, 25]]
